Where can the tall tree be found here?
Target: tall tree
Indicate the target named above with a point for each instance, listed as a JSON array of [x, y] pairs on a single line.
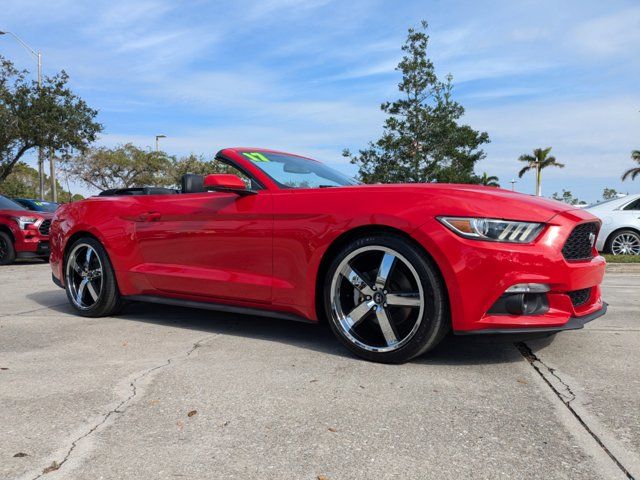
[[633, 172], [489, 180], [121, 167], [51, 117], [422, 139], [538, 162]]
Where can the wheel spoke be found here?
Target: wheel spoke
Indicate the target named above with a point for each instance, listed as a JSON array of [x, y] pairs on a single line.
[[81, 288], [384, 270], [407, 299], [356, 280], [92, 291], [75, 266], [358, 314], [88, 257], [385, 326]]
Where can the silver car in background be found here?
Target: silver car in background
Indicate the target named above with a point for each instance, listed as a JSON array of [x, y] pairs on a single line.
[[620, 232]]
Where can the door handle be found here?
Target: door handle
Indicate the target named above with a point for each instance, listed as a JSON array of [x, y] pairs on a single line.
[[150, 217]]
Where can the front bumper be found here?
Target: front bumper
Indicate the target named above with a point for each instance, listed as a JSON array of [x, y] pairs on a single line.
[[574, 323], [41, 250], [477, 273]]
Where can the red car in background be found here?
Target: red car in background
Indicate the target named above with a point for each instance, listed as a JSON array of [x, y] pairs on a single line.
[[392, 268], [23, 233]]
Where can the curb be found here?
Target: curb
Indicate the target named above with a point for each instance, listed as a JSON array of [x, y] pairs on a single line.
[[623, 268]]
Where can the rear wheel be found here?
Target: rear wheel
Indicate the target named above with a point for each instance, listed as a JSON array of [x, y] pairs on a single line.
[[624, 242], [7, 250], [89, 280], [385, 299]]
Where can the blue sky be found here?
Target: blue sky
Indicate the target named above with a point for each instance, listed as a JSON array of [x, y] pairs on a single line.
[[308, 76]]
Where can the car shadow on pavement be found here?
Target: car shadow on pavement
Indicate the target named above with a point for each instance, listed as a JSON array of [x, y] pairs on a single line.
[[454, 350]]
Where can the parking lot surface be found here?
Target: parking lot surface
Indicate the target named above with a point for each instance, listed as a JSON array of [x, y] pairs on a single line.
[[161, 392]]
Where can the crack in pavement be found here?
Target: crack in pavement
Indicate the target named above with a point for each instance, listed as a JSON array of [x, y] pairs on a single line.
[[34, 310], [121, 407], [566, 398]]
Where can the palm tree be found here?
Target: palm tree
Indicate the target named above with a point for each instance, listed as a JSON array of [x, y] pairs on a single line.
[[632, 172], [489, 180], [538, 161]]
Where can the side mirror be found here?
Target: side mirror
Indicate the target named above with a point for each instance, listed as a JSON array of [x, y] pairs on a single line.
[[226, 182]]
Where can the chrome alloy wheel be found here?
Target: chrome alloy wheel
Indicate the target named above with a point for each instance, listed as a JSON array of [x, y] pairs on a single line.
[[377, 299], [84, 276], [626, 244]]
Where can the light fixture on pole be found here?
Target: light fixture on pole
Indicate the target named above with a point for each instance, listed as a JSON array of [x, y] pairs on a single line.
[[38, 57], [158, 137], [513, 184]]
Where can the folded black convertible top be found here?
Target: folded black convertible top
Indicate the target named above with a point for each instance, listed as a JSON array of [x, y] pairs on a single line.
[[137, 191]]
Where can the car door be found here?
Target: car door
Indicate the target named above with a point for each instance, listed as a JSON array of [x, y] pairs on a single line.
[[209, 245], [631, 214]]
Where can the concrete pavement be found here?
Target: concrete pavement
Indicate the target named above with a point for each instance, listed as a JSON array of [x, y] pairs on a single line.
[[162, 392]]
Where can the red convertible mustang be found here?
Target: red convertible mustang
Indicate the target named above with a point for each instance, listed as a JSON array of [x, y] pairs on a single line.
[[392, 268]]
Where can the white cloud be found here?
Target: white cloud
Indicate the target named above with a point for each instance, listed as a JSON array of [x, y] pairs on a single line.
[[616, 34]]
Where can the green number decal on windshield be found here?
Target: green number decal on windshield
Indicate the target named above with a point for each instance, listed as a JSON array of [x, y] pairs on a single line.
[[256, 156]]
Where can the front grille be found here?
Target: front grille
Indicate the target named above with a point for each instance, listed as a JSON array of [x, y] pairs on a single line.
[[580, 297], [44, 227], [579, 245]]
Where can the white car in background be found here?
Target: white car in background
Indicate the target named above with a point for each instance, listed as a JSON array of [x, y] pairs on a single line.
[[620, 232]]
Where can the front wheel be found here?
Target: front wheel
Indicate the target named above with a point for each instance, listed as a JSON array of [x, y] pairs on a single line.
[[624, 242], [385, 299], [90, 282], [7, 251]]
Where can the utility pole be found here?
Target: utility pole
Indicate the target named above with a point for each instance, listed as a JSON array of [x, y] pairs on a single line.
[[41, 158], [158, 137]]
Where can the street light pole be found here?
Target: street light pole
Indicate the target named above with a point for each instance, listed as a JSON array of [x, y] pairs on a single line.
[[513, 184], [38, 56], [158, 137]]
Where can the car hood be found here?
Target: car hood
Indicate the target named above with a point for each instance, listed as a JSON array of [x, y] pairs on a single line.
[[471, 200], [27, 213]]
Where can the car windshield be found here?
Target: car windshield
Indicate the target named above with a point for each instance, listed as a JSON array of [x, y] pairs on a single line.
[[38, 205], [290, 171], [6, 204]]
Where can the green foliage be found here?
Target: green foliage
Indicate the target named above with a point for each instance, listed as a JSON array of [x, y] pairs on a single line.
[[51, 117], [567, 197], [489, 180], [609, 193], [121, 167], [622, 258], [23, 182], [633, 172], [422, 140], [128, 166]]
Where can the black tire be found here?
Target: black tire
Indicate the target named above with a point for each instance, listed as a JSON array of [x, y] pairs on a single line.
[[425, 328], [109, 300], [7, 250], [619, 233]]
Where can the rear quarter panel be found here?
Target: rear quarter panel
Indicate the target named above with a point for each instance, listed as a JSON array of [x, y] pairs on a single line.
[[108, 220]]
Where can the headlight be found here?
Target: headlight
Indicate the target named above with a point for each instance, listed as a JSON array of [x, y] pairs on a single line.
[[493, 230], [24, 222]]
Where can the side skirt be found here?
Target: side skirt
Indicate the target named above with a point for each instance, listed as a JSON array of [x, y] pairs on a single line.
[[218, 307]]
